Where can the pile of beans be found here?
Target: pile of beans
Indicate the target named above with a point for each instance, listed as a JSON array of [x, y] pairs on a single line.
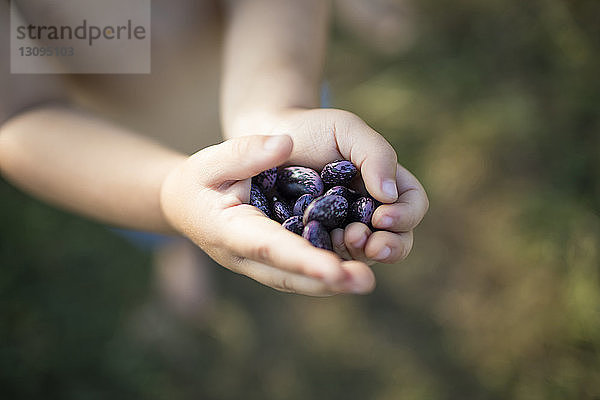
[[312, 204]]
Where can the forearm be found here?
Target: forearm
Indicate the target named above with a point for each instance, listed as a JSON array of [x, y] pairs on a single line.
[[87, 166], [274, 55]]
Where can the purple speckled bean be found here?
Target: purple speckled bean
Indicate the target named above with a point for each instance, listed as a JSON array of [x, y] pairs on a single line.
[[259, 200], [294, 224], [329, 210], [281, 210], [339, 172], [316, 234], [265, 181], [362, 210], [293, 182], [349, 194], [302, 202]]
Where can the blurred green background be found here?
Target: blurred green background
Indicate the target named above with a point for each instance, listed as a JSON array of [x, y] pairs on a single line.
[[494, 105]]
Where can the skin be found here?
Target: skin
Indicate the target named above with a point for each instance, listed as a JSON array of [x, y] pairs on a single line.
[[75, 158]]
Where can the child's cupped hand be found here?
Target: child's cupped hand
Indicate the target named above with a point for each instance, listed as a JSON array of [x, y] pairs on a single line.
[[205, 198]]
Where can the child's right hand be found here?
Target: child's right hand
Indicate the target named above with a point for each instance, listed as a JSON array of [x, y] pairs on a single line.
[[205, 198]]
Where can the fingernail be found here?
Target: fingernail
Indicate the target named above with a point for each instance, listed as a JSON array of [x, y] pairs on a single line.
[[383, 253], [385, 222], [389, 188], [360, 242], [272, 143]]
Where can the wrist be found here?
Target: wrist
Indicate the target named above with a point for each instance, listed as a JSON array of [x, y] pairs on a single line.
[[259, 121], [168, 196]]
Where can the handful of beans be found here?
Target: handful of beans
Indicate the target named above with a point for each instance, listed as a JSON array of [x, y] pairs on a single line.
[[312, 204]]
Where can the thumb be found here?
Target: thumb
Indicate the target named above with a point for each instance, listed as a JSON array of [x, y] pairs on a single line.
[[375, 158], [241, 158]]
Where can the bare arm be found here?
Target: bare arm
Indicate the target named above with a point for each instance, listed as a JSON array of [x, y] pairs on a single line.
[[274, 54], [71, 159], [87, 166]]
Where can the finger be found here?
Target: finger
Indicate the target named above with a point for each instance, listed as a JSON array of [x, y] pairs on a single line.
[[388, 247], [360, 279], [337, 239], [356, 235], [241, 158], [373, 155], [282, 280], [408, 211], [249, 234]]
